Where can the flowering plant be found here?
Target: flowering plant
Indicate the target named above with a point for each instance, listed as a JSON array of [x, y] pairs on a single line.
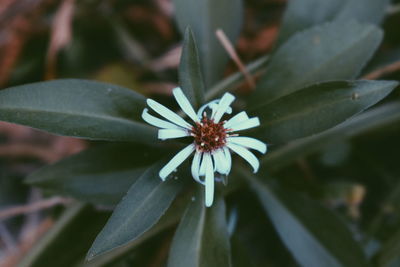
[[308, 97]]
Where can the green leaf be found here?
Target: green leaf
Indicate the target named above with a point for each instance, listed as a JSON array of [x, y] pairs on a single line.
[[333, 51], [298, 15], [303, 14], [318, 108], [205, 17], [168, 220], [101, 175], [370, 120], [201, 239], [144, 204], [190, 76], [370, 11], [66, 243], [78, 108], [312, 233]]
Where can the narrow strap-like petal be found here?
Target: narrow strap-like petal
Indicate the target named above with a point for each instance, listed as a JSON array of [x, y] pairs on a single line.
[[168, 114], [228, 160], [176, 161], [172, 133], [240, 117], [220, 161], [209, 192], [185, 104], [249, 143], [223, 106], [246, 155], [250, 123], [196, 167], [150, 119]]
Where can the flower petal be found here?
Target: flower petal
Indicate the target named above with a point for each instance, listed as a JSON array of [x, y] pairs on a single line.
[[220, 161], [249, 143], [223, 106], [185, 104], [246, 155], [209, 194], [196, 167], [176, 161], [228, 160], [150, 119], [172, 133], [250, 123], [240, 117], [202, 171], [168, 114]]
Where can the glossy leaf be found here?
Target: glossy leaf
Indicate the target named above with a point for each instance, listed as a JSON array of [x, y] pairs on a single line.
[[318, 55], [205, 17], [190, 76], [78, 108], [67, 242], [318, 108], [201, 239], [298, 16], [367, 121], [141, 208], [100, 175], [312, 233]]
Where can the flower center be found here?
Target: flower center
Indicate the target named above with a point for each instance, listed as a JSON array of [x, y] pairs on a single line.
[[208, 135]]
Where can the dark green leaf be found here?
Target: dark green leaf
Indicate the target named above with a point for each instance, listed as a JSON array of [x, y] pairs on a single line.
[[78, 108], [67, 242], [371, 11], [190, 76], [201, 239], [303, 14], [376, 118], [205, 17], [298, 16], [333, 51], [144, 204], [101, 175], [313, 234], [169, 219], [318, 108]]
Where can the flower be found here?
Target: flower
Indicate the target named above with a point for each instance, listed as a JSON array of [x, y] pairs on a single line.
[[212, 138]]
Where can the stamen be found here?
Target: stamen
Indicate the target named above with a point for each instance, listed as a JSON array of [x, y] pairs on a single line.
[[208, 135]]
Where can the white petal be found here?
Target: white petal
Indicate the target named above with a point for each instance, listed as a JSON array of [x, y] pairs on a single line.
[[249, 143], [150, 119], [172, 133], [240, 117], [246, 155], [228, 160], [202, 170], [220, 161], [176, 161], [223, 106], [209, 194], [185, 104], [196, 167], [250, 123], [168, 114], [203, 107]]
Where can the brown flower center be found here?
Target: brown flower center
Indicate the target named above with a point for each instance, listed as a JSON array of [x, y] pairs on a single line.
[[208, 135]]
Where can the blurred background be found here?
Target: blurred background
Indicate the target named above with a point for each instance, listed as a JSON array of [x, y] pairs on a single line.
[[136, 44]]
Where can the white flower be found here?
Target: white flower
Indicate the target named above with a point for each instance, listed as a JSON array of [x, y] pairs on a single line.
[[212, 138]]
